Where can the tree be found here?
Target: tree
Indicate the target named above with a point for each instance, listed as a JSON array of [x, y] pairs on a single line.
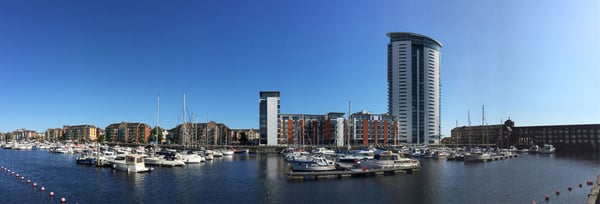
[[244, 138], [154, 136]]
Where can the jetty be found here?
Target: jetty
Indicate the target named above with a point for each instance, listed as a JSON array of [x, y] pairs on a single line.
[[496, 158], [345, 173]]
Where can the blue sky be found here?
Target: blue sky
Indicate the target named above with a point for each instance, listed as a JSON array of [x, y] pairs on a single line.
[[102, 62]]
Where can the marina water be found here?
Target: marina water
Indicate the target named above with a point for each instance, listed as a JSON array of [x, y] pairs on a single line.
[[261, 178]]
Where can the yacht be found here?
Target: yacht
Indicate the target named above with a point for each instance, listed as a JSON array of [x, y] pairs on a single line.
[[534, 149], [132, 163], [313, 164], [477, 156], [357, 156], [390, 160], [548, 149]]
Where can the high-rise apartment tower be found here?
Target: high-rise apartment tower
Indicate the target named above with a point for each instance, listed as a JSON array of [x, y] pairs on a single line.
[[414, 86], [269, 117]]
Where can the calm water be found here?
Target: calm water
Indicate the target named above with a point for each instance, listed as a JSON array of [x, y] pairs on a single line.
[[261, 179]]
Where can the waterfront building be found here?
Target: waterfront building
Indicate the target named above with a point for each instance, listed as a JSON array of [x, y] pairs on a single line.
[[128, 132], [414, 86], [576, 136], [312, 129], [580, 136], [374, 129], [211, 133], [245, 136], [53, 134], [269, 117], [24, 134], [80, 133]]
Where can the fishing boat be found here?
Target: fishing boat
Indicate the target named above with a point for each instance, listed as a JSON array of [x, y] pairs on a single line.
[[132, 163]]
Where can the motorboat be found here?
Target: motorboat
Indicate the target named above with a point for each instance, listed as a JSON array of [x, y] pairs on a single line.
[[390, 160], [534, 149], [440, 154], [86, 157], [241, 151], [131, 163], [548, 149], [357, 156], [227, 152], [477, 156], [313, 164], [322, 150]]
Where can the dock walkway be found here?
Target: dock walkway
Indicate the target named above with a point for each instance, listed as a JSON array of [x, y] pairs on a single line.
[[295, 175], [496, 158]]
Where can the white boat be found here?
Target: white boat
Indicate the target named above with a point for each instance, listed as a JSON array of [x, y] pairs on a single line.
[[438, 154], [416, 153], [192, 158], [161, 161], [313, 164], [132, 163], [548, 149], [534, 149], [227, 152], [477, 156], [357, 156], [322, 150], [390, 160]]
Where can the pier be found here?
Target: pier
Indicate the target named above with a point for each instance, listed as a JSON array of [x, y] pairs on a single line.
[[295, 175], [496, 158], [594, 197]]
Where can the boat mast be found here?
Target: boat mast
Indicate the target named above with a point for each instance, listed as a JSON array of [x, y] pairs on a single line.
[[157, 114], [469, 127], [348, 122], [183, 141]]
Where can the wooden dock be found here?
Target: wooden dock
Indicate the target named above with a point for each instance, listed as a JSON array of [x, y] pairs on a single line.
[[295, 175]]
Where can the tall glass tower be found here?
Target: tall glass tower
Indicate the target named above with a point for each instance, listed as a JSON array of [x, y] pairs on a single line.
[[269, 117], [414, 86]]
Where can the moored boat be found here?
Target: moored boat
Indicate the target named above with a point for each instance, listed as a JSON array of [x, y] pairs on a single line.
[[132, 163], [547, 149], [313, 164]]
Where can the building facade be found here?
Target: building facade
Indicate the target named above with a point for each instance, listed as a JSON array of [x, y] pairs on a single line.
[[583, 136], [24, 134], [128, 132], [312, 129], [191, 134], [80, 133], [245, 136], [414, 86], [54, 134], [269, 117], [368, 129]]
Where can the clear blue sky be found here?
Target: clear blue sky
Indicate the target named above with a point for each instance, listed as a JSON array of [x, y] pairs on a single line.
[[102, 62]]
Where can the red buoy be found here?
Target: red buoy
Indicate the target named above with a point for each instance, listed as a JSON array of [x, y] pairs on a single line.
[[51, 193], [547, 197], [28, 181], [590, 182], [533, 202], [557, 192], [42, 189], [22, 177], [580, 185], [34, 184], [570, 188], [63, 200]]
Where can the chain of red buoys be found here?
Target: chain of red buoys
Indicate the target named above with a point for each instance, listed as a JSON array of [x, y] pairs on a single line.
[[570, 188], [34, 184]]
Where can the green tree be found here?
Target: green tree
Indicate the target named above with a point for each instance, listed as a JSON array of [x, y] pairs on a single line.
[[154, 136]]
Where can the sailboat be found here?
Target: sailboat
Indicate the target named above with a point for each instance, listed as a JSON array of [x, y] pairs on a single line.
[[188, 157]]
